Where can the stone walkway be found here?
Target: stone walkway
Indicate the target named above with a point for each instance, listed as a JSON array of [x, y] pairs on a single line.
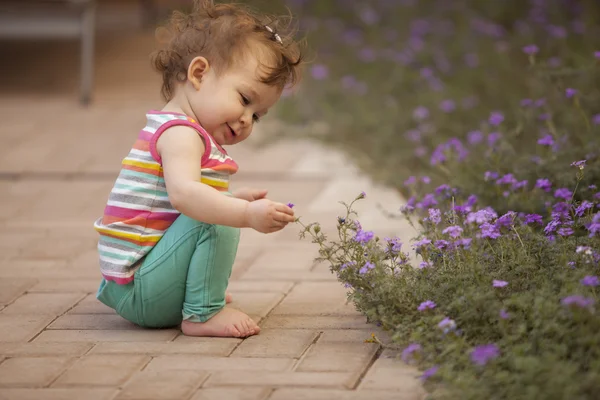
[[57, 164]]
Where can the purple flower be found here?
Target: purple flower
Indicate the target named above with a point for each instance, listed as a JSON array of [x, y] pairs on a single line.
[[429, 373], [551, 227], [596, 119], [421, 243], [484, 353], [409, 350], [530, 49], [426, 180], [570, 92], [481, 216], [363, 236], [504, 314], [347, 264], [319, 72], [543, 184], [506, 219], [533, 218], [426, 305], [425, 264], [435, 215], [497, 283], [454, 231], [507, 179], [465, 243], [362, 195], [489, 175], [441, 244], [496, 118], [597, 54], [369, 16], [421, 112], [590, 280], [578, 300], [366, 268], [565, 231], [579, 164], [447, 325], [563, 193], [474, 137], [526, 102], [410, 181], [594, 227], [290, 205], [448, 106], [572, 264], [546, 140], [489, 231]]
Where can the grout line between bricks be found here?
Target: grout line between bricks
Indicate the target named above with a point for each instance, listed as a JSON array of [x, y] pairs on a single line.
[[57, 317], [305, 352], [369, 365]]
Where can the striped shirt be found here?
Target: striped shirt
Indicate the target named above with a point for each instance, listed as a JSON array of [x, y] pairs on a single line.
[[138, 211]]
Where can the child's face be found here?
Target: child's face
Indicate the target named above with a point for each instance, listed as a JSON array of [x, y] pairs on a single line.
[[228, 106]]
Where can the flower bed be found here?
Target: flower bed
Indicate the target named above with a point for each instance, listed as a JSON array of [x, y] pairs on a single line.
[[486, 116]]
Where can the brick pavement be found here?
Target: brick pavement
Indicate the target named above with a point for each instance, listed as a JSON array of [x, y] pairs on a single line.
[[58, 163]]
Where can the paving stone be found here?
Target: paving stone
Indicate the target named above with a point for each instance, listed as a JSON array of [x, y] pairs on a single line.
[[326, 394], [258, 286], [142, 335], [102, 370], [256, 303], [44, 349], [57, 394], [31, 371], [11, 288], [276, 343], [55, 249], [278, 379], [205, 348], [279, 258], [338, 357], [93, 322], [162, 385], [25, 269], [192, 339], [286, 275], [315, 322], [21, 328], [232, 394], [66, 285], [195, 363], [43, 303], [390, 373], [315, 298], [91, 305]]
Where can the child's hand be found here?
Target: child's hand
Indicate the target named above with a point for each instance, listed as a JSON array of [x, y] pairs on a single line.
[[267, 216], [249, 194]]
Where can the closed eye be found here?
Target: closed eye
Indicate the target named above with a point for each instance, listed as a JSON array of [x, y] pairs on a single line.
[[245, 100]]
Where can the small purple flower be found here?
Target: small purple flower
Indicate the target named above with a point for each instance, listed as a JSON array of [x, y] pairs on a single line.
[[424, 264], [454, 231], [543, 184], [578, 300], [490, 175], [426, 305], [533, 218], [481, 216], [565, 231], [363, 236], [447, 325], [426, 180], [530, 49], [421, 112], [489, 231], [441, 244], [563, 193], [484, 353], [496, 118], [596, 119], [362, 195], [499, 284], [464, 243], [594, 227], [366, 268], [597, 54], [290, 205], [507, 179], [570, 92], [409, 350], [590, 280], [551, 227], [546, 140], [319, 72], [579, 164], [421, 243], [347, 264], [429, 373], [504, 314], [474, 137], [526, 102], [435, 215], [448, 106], [410, 181], [572, 264]]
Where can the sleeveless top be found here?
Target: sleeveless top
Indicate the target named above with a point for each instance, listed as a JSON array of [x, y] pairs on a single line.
[[138, 211]]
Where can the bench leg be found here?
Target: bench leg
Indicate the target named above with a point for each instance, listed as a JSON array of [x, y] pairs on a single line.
[[88, 19]]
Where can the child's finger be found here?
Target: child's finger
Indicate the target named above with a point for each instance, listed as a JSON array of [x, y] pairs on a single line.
[[284, 209], [283, 217]]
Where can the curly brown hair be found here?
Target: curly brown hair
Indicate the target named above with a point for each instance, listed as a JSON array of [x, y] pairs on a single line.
[[224, 34]]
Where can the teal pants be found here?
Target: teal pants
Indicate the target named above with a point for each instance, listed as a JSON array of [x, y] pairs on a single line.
[[183, 277]]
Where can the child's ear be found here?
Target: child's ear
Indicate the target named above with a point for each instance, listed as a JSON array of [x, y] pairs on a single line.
[[197, 70]]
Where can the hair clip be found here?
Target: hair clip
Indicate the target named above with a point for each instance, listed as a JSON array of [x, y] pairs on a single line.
[[275, 35]]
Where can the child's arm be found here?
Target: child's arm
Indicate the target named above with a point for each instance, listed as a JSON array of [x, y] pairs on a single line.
[[181, 149]]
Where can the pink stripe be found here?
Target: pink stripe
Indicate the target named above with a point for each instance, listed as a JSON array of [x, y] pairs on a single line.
[[177, 122], [145, 135], [127, 213], [118, 281]]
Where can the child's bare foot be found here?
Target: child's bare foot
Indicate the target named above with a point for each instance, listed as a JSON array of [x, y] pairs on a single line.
[[228, 322], [228, 298]]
